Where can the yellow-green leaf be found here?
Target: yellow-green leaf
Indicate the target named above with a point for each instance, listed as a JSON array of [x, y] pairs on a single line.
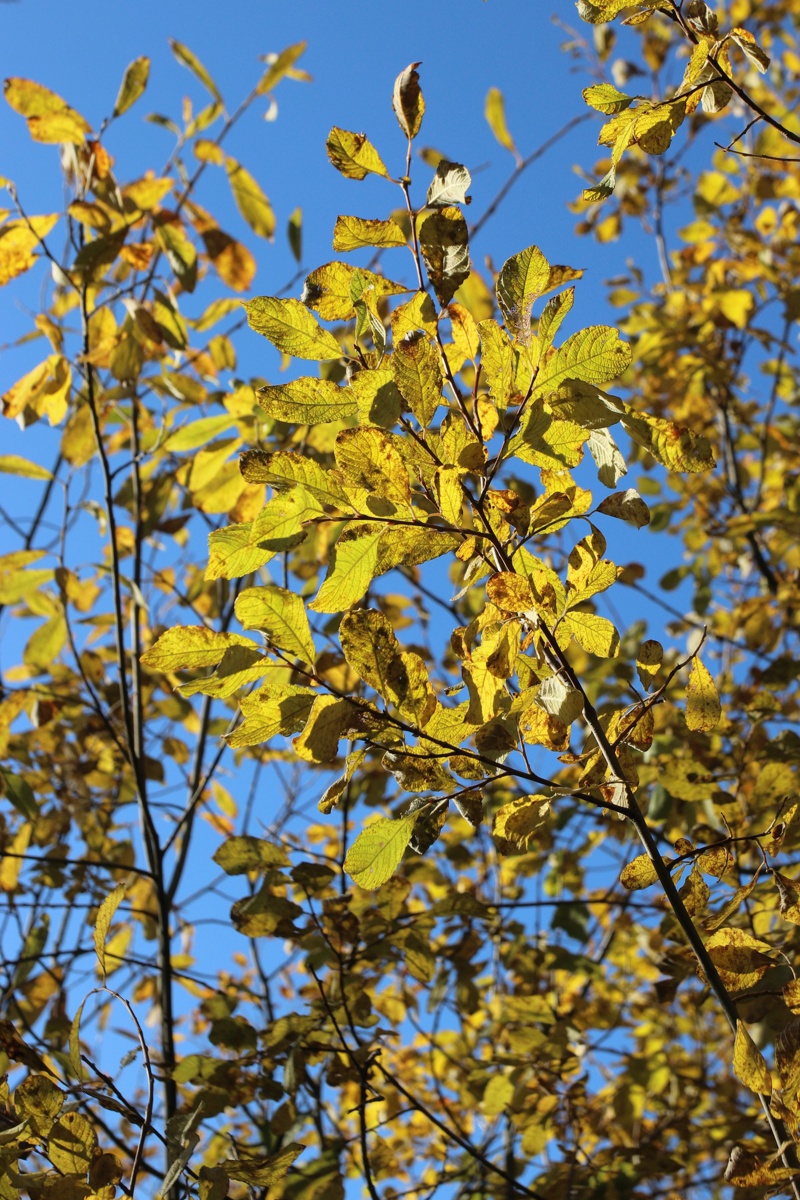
[[516, 824], [740, 958], [371, 649], [648, 661], [418, 371], [134, 81], [262, 1172], [369, 458], [239, 855], [14, 464], [378, 850], [495, 113], [250, 200], [353, 564], [327, 721], [308, 401], [190, 647], [281, 65], [594, 634], [71, 1144], [281, 617], [749, 1064], [185, 56], [291, 328], [354, 154], [105, 915], [626, 506], [703, 708], [329, 289], [522, 279]]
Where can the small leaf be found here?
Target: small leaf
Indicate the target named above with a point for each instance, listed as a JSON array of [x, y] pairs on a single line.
[[703, 708], [239, 855], [134, 81], [378, 850], [280, 65], [105, 915], [648, 662], [294, 232], [607, 99], [185, 56], [495, 113], [354, 154], [19, 794], [407, 101], [626, 506], [449, 185], [516, 824]]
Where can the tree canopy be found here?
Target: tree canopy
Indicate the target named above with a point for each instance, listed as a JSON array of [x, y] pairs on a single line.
[[353, 841]]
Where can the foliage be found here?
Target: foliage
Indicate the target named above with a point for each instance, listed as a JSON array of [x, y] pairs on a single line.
[[454, 974]]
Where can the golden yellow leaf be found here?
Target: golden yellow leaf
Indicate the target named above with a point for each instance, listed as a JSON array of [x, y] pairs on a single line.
[[749, 1065], [740, 958], [250, 200], [703, 708], [495, 113], [640, 873]]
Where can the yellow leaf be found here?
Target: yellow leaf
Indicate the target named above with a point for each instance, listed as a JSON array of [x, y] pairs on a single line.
[[266, 715], [377, 397], [418, 373], [281, 65], [640, 873], [740, 958], [280, 615], [291, 328], [515, 824], [46, 111], [105, 915], [353, 154], [495, 113], [736, 304], [371, 649], [329, 289], [594, 634], [185, 56], [56, 127], [11, 861], [71, 1144], [450, 493], [189, 648], [261, 1172], [749, 1065], [250, 200], [319, 741], [703, 708], [353, 564], [308, 401], [648, 662], [13, 464], [511, 592], [369, 458], [378, 850], [417, 313], [134, 81], [351, 233]]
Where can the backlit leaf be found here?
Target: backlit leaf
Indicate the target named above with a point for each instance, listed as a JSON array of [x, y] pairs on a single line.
[[239, 855], [353, 154], [749, 1065], [515, 825], [105, 915], [378, 850], [703, 708], [190, 647], [351, 233], [185, 56], [495, 113], [640, 873], [262, 1172], [417, 369], [308, 401], [449, 185], [291, 328], [134, 81], [281, 617], [353, 564], [627, 506], [740, 958], [250, 200]]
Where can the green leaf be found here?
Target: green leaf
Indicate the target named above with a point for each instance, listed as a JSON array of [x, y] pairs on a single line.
[[444, 243], [354, 154], [378, 850], [352, 233], [281, 617], [185, 56], [407, 101], [250, 200], [239, 855], [308, 401], [353, 563], [449, 185], [19, 794], [134, 81], [291, 328], [105, 915]]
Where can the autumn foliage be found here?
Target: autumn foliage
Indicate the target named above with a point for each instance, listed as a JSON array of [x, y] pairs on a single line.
[[501, 887]]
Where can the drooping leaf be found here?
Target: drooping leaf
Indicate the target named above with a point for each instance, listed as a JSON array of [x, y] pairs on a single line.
[[417, 369], [444, 243], [351, 233], [250, 200], [703, 708], [354, 561], [185, 56], [495, 113], [449, 185], [105, 915], [239, 855]]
